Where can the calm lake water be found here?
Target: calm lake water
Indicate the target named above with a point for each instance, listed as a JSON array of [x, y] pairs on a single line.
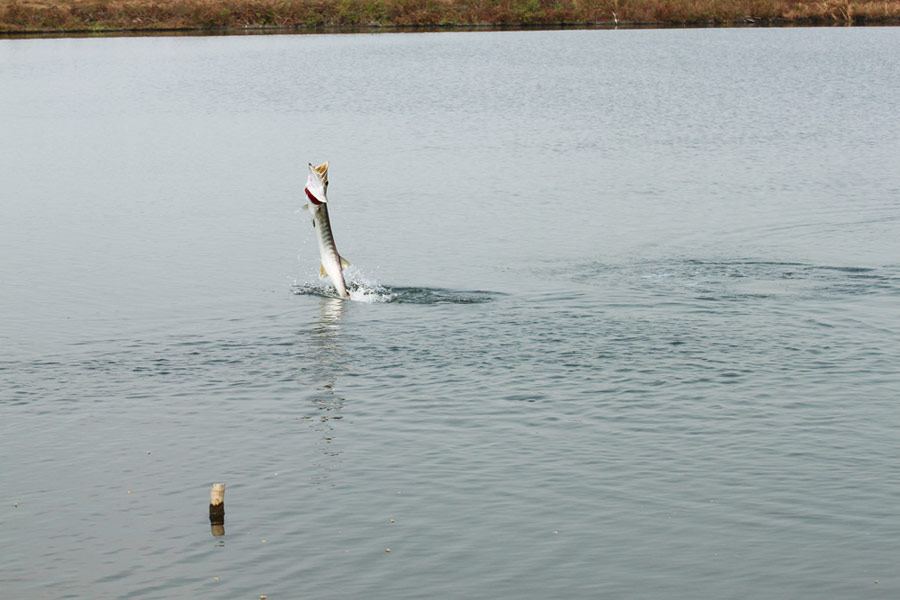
[[626, 319]]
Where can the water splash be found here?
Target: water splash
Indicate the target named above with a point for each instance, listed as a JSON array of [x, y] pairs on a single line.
[[363, 289], [417, 295]]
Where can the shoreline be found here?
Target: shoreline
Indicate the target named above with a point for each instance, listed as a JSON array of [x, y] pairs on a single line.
[[374, 29], [236, 17]]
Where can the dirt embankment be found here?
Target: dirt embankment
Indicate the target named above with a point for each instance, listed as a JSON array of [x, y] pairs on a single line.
[[148, 15]]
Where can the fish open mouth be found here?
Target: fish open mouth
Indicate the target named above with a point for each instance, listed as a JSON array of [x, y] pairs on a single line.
[[317, 184], [312, 198]]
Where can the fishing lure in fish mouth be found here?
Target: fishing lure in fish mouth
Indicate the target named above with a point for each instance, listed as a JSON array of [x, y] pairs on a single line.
[[333, 264]]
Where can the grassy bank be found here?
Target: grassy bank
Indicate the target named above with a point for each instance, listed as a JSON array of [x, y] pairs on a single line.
[[137, 15]]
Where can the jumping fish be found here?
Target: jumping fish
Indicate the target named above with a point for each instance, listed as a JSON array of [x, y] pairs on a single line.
[[332, 264]]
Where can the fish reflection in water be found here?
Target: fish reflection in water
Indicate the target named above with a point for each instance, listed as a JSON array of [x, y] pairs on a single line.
[[331, 311], [328, 355]]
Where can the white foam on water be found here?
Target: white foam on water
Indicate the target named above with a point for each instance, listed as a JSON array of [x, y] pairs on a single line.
[[360, 287], [363, 289]]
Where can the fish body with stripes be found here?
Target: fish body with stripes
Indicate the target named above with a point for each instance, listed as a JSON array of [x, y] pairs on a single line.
[[333, 264]]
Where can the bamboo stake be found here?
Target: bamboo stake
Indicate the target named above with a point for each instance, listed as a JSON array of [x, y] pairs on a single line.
[[217, 509]]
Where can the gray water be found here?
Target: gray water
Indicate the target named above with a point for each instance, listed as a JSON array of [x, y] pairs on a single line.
[[625, 318]]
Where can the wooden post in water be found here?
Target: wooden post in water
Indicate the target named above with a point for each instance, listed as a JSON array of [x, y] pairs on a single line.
[[217, 509]]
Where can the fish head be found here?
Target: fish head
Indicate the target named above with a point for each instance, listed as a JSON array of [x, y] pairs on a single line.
[[317, 184]]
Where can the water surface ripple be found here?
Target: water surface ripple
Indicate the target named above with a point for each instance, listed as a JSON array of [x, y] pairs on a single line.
[[624, 321]]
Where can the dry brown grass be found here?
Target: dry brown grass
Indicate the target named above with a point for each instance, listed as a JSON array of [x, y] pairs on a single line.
[[100, 15]]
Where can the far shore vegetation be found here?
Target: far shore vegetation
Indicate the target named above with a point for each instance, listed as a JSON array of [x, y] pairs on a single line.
[[49, 16]]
